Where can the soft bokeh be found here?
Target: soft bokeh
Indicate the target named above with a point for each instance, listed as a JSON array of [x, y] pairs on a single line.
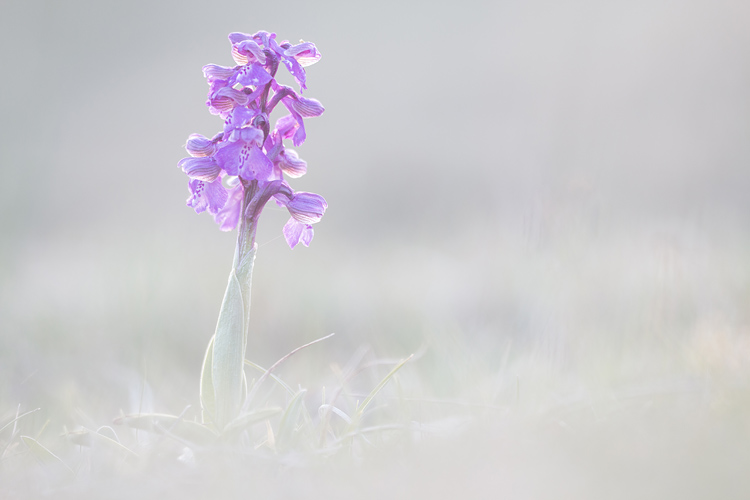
[[547, 201]]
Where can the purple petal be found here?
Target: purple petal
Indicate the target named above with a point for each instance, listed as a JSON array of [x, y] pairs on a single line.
[[255, 164], [207, 195], [239, 117], [229, 215], [296, 70], [272, 44], [286, 126], [291, 164], [306, 107], [237, 37], [199, 145], [248, 51], [237, 96], [214, 72], [307, 208], [305, 53], [292, 232], [228, 157], [299, 135], [223, 100], [252, 74], [203, 168], [250, 135], [296, 232], [307, 235]]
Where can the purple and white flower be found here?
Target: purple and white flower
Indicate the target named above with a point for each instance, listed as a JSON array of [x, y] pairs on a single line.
[[235, 173]]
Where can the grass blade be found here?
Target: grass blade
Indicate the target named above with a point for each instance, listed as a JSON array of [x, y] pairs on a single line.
[[361, 408], [289, 420], [276, 364], [42, 454]]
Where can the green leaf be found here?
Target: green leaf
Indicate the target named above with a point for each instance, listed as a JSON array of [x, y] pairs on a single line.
[[229, 354]]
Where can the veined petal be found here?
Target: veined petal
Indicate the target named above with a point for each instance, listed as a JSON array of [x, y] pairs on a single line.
[[203, 168], [306, 107], [199, 145], [305, 53], [215, 72], [295, 232], [307, 208], [224, 100], [237, 96], [291, 164], [250, 50]]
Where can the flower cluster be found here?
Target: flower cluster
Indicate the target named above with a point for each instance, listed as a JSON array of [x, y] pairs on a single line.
[[235, 173]]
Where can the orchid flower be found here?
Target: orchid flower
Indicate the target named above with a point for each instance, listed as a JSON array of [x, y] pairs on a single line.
[[248, 152]]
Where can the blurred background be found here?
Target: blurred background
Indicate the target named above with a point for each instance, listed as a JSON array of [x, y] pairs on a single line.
[[548, 201]]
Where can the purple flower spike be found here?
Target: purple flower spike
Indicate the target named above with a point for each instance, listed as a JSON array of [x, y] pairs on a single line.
[[235, 173]]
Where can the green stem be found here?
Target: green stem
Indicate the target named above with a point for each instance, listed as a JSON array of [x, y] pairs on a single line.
[[223, 385]]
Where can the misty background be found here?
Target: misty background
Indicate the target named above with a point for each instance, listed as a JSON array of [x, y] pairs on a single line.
[[564, 181]]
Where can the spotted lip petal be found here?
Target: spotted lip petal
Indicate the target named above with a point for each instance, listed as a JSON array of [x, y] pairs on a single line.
[[257, 165], [209, 196], [251, 75]]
